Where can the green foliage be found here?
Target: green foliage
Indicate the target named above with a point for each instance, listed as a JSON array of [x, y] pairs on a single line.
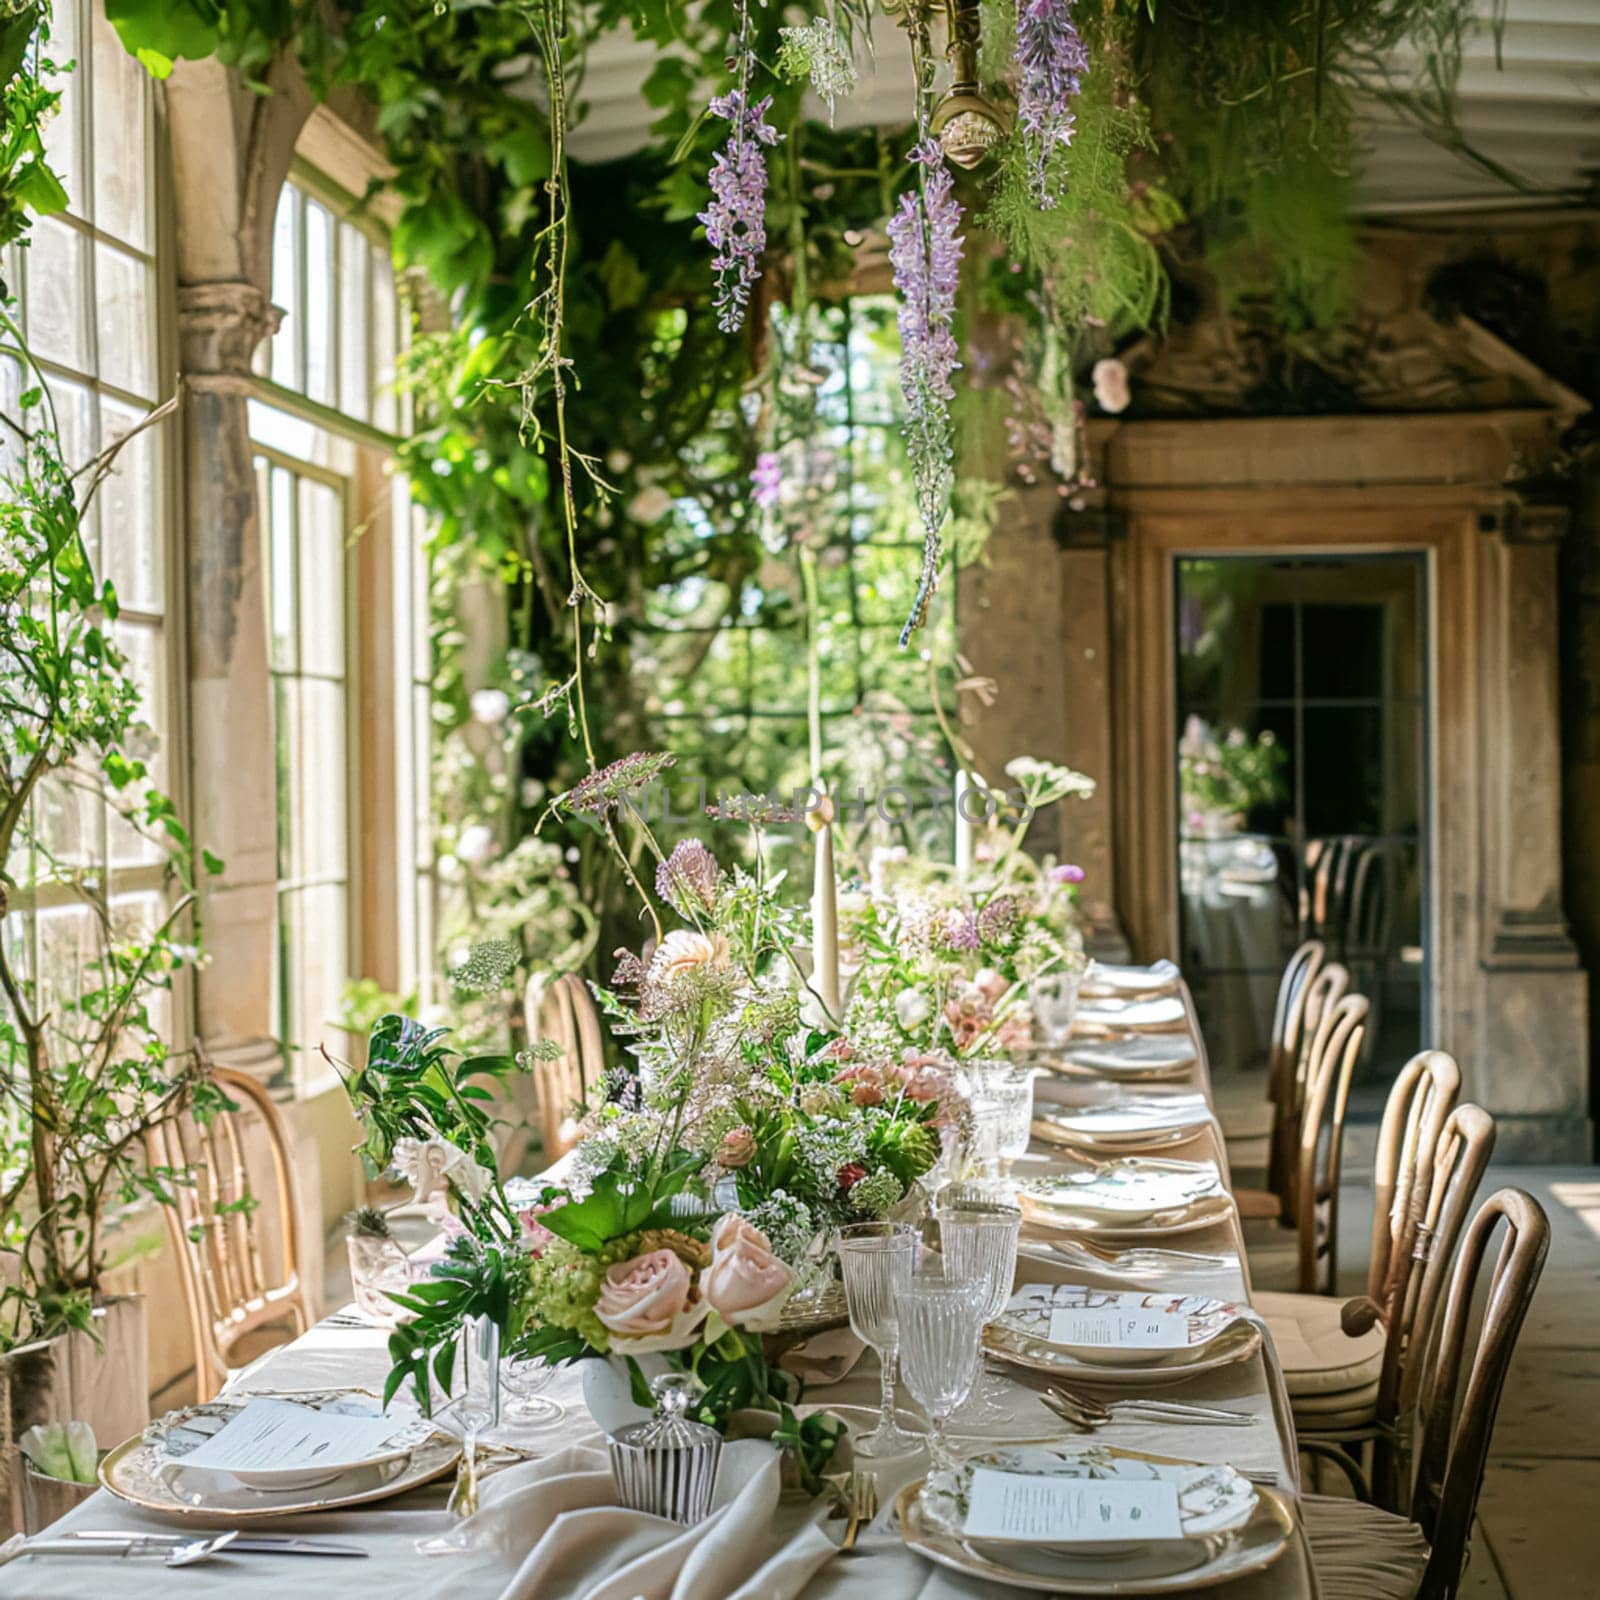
[[27, 184], [1096, 252], [84, 1069], [414, 1087]]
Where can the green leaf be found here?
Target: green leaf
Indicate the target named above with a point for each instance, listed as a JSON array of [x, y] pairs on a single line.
[[15, 32], [39, 188], [165, 30], [214, 865]]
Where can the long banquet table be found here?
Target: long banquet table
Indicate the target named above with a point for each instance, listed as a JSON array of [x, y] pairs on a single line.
[[334, 1355]]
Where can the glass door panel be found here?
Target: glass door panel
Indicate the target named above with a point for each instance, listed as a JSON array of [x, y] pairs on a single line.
[[1302, 789]]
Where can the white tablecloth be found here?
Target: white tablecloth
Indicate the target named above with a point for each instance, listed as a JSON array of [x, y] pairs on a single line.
[[882, 1569]]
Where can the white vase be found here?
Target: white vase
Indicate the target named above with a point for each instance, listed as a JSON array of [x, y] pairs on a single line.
[[608, 1392]]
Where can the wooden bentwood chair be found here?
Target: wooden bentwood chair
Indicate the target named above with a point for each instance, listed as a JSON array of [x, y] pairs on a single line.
[[237, 1242], [1361, 1552], [564, 1012]]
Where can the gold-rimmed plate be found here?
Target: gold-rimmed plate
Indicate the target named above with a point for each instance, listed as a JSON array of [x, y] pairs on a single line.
[[1255, 1547], [1236, 1343], [140, 1471]]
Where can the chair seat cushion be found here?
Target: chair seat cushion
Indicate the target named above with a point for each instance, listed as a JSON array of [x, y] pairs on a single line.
[[1360, 1552], [1317, 1355], [1327, 1413]]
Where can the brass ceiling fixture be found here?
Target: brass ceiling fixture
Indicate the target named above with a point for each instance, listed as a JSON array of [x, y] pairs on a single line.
[[966, 122]]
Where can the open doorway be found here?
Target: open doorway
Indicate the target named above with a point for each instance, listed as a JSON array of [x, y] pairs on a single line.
[[1302, 776]]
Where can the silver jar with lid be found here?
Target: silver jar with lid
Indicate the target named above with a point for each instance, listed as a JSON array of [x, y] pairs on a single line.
[[667, 1464]]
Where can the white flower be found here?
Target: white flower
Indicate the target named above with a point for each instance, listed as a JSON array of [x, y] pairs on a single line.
[[430, 1166], [475, 845], [1111, 385], [912, 1008], [490, 706], [682, 951]]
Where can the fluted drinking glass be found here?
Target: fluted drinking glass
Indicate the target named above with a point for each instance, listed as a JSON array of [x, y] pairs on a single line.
[[978, 1240], [941, 1320], [877, 1260]]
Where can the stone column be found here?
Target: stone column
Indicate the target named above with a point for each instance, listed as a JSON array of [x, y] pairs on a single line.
[[1085, 539], [231, 148], [1530, 1060], [232, 752]]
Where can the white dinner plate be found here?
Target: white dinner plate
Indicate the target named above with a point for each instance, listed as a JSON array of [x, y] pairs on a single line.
[[1139, 1056], [141, 1472], [1262, 1539], [1124, 1190], [1118, 1123], [1027, 1317], [1110, 980], [1237, 1343], [1158, 1014]]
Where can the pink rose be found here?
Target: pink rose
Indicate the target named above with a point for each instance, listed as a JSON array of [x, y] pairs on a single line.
[[1015, 1033], [648, 1303], [746, 1284], [864, 1083], [926, 1086], [534, 1233]]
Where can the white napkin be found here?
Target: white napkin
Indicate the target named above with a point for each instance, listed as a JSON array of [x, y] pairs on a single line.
[[581, 1545]]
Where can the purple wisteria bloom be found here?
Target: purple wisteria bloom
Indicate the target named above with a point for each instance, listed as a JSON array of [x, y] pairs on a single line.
[[1051, 61], [767, 479], [736, 221], [925, 253]]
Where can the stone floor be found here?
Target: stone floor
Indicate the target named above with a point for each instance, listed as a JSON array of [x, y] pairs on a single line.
[[1538, 1535]]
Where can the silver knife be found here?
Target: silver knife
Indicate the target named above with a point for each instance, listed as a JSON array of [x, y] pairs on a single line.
[[261, 1544]]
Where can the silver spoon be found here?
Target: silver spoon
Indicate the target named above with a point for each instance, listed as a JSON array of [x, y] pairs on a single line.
[[185, 1553]]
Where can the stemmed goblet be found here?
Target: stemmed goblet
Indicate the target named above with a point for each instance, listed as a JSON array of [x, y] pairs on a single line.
[[941, 1323], [978, 1239], [877, 1260]]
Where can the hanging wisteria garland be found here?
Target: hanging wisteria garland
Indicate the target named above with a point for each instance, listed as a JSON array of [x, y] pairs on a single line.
[[736, 220], [1051, 60], [925, 247]]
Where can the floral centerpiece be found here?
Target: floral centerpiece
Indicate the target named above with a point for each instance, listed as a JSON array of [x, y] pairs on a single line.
[[710, 1167], [944, 968]]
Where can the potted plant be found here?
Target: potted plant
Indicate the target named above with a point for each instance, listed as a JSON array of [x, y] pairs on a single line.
[[84, 1069]]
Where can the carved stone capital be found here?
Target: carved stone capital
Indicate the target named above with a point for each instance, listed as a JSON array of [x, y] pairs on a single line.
[[219, 327], [1521, 523]]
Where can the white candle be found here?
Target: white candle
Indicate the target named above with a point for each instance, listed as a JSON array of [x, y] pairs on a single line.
[[825, 920], [963, 828]]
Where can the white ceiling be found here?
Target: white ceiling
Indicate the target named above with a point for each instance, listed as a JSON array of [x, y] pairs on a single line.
[[1537, 112]]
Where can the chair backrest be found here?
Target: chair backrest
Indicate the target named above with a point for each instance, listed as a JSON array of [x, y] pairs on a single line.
[[1453, 1447], [1330, 1061], [1415, 1294], [1321, 992], [1288, 1025], [237, 1240], [563, 1011], [1422, 1096]]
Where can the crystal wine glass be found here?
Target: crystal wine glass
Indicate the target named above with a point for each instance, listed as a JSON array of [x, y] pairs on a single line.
[[978, 1239], [524, 1378], [877, 1260], [1055, 1005], [941, 1320]]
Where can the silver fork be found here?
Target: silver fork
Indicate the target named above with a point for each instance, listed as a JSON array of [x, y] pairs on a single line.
[[1140, 1258]]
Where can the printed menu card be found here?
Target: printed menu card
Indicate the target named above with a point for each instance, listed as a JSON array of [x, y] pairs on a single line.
[[270, 1435], [1057, 1510]]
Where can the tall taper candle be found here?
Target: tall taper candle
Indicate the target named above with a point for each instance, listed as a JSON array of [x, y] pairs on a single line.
[[964, 786], [825, 913]]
